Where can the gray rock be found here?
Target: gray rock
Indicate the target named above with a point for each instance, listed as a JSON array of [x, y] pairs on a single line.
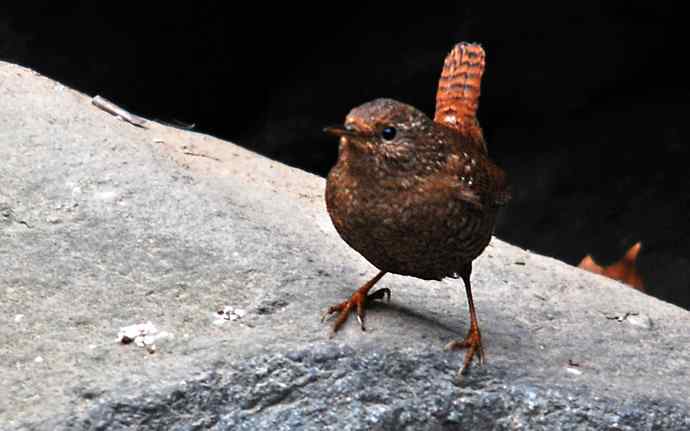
[[168, 226]]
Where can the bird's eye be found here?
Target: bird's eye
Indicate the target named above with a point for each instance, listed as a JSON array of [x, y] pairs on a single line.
[[388, 133]]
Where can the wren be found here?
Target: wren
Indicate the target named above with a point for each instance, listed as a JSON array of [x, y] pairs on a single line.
[[416, 196]]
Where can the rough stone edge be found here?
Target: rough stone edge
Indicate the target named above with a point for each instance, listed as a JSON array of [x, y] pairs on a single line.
[[221, 399]]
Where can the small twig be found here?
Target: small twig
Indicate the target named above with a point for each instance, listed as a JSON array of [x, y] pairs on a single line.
[[24, 223], [189, 153], [177, 124], [618, 317], [113, 109], [9, 215]]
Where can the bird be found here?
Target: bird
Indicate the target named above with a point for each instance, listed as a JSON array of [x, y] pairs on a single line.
[[418, 196]]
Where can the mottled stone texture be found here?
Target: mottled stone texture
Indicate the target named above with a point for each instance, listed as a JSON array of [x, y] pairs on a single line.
[[104, 225]]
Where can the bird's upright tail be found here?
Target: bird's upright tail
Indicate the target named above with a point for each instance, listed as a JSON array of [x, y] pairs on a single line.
[[457, 98]]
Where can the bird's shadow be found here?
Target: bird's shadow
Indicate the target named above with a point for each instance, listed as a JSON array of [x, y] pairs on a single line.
[[426, 319]]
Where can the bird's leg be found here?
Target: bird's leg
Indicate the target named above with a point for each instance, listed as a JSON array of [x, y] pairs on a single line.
[[473, 341], [357, 303]]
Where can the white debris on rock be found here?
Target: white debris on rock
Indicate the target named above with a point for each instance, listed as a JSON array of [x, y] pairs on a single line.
[[573, 371], [634, 318], [228, 313], [640, 320], [142, 335]]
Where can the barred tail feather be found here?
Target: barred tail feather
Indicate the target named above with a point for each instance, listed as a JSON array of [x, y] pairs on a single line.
[[457, 98]]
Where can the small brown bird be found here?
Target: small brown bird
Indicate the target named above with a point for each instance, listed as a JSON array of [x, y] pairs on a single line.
[[416, 196]]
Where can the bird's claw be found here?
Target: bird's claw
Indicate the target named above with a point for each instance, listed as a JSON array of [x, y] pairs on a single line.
[[473, 344], [357, 303]]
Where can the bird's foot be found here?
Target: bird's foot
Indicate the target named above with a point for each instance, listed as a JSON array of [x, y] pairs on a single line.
[[357, 303], [473, 344]]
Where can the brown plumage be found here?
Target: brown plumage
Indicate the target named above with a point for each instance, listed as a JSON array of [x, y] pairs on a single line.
[[417, 196]]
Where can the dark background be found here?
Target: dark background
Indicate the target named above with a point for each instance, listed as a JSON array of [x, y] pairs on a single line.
[[584, 105]]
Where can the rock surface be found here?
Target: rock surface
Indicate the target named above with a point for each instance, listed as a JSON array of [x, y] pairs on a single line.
[[104, 225]]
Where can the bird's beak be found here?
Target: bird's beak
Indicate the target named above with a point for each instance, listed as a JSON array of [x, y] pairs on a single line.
[[351, 136], [340, 131]]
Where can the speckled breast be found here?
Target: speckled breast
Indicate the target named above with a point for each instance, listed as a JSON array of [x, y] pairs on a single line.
[[426, 238]]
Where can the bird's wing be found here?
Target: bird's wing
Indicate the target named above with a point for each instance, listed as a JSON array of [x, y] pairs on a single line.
[[457, 98], [476, 180]]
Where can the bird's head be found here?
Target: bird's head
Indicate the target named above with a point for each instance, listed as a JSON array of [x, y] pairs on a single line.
[[384, 135]]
